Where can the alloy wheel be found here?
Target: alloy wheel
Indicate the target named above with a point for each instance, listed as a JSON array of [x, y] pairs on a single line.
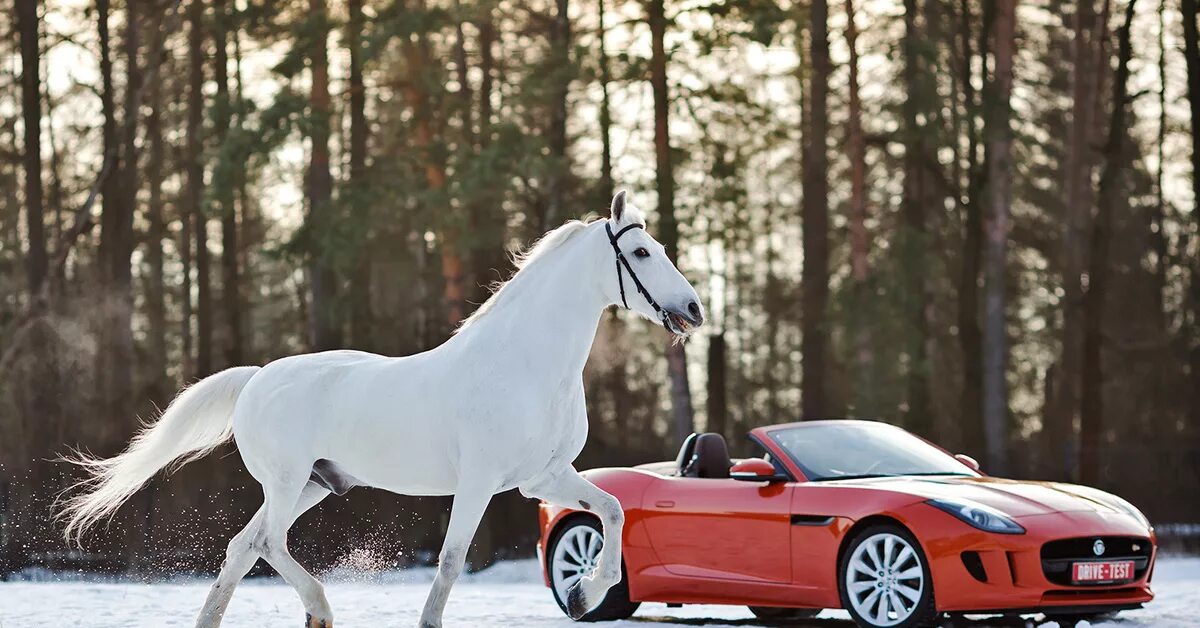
[[885, 579]]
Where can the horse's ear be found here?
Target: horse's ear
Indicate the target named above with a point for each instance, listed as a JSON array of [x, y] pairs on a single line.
[[618, 206]]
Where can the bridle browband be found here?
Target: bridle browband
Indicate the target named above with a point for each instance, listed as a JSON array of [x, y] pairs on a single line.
[[622, 261]]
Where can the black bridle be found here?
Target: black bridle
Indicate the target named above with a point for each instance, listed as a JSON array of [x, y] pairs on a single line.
[[621, 261]]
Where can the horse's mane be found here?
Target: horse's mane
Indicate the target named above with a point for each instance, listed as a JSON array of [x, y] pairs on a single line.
[[548, 243]]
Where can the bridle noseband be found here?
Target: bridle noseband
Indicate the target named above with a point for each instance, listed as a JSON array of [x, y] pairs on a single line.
[[621, 261]]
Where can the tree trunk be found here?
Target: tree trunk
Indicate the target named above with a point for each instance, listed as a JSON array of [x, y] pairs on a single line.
[[561, 73], [225, 181], [856, 150], [606, 175], [488, 255], [324, 328], [919, 416], [1158, 215], [860, 237], [57, 193], [110, 198], [718, 402], [193, 153], [995, 346], [204, 292], [969, 335], [815, 214], [1191, 40], [1111, 188], [119, 238], [158, 389], [110, 187], [463, 71], [475, 290], [115, 358], [39, 415], [487, 79], [1060, 436], [668, 228], [250, 231], [425, 132], [360, 283], [31, 109]]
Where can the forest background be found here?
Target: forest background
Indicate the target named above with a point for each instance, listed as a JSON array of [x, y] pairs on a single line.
[[976, 219]]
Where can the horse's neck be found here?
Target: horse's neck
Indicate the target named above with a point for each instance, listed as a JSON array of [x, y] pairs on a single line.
[[549, 323]]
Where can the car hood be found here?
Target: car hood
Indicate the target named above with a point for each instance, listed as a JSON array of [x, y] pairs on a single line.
[[1012, 497]]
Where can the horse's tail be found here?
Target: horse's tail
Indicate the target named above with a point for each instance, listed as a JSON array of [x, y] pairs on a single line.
[[196, 422]]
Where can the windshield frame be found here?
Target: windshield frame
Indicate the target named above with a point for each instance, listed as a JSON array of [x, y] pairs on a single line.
[[803, 473]]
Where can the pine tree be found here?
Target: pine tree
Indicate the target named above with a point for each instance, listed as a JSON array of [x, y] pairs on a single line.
[[815, 216], [999, 198]]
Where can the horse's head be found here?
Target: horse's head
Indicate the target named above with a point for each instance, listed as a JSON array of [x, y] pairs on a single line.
[[647, 280]]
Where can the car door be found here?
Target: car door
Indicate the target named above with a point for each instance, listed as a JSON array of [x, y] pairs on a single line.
[[721, 528]]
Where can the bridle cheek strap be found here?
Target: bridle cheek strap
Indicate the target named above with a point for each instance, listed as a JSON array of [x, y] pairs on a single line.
[[622, 261]]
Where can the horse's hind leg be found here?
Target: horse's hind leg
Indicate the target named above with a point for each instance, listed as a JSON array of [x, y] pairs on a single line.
[[240, 556], [270, 541], [465, 514]]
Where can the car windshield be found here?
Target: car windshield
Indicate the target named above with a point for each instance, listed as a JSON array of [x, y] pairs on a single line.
[[838, 451]]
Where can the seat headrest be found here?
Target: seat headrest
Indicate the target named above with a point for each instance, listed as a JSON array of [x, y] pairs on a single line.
[[710, 458]]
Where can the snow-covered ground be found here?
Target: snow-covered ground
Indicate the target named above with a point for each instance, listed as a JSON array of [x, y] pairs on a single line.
[[509, 595]]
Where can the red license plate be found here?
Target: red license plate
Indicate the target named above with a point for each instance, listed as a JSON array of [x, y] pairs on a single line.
[[1114, 571]]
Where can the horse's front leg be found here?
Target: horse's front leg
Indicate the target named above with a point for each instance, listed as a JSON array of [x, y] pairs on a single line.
[[465, 514], [568, 489]]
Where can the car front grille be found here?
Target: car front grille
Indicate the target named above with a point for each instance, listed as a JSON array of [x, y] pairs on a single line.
[[1058, 556]]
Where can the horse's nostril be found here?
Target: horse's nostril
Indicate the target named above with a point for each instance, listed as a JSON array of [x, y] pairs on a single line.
[[694, 310]]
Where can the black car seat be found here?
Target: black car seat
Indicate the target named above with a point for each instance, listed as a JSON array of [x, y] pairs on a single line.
[[709, 457]]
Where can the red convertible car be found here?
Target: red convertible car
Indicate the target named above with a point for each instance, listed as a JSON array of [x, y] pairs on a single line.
[[856, 515]]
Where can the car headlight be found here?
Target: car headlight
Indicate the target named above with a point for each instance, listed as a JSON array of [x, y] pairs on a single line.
[[979, 516]]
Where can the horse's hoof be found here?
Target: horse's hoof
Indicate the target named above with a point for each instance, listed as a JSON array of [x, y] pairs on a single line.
[[311, 622], [576, 607]]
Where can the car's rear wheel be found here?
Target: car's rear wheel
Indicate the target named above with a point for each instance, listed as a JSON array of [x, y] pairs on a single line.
[[571, 556], [884, 579], [777, 613]]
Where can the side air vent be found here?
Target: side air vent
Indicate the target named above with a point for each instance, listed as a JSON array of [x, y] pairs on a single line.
[[811, 520], [974, 566]]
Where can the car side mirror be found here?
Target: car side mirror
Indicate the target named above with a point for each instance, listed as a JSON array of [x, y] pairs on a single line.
[[967, 460], [755, 470]]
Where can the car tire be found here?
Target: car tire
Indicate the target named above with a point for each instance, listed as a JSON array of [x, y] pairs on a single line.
[[882, 565], [616, 604], [778, 613]]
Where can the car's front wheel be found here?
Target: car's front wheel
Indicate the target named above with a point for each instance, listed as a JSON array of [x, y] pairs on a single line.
[[571, 556], [884, 579]]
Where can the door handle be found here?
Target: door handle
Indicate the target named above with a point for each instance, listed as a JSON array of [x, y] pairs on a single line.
[[664, 503]]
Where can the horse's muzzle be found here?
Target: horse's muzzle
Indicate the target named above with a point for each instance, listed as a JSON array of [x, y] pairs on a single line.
[[684, 323]]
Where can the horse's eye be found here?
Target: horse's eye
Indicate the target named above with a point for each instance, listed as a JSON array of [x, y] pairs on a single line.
[[641, 252]]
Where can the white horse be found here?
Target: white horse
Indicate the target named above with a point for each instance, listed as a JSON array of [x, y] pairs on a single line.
[[499, 405]]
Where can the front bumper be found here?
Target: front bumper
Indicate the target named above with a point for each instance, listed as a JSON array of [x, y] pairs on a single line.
[[975, 571]]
